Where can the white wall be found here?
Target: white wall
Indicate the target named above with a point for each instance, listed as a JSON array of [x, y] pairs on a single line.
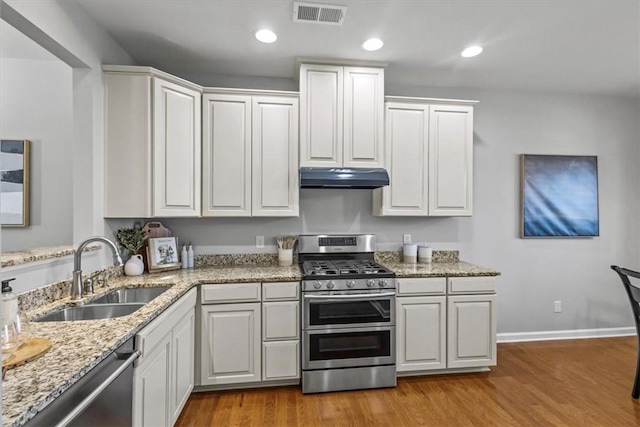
[[65, 30], [36, 104], [535, 272]]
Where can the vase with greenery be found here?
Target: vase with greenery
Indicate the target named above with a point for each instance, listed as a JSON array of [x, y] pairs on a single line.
[[131, 239]]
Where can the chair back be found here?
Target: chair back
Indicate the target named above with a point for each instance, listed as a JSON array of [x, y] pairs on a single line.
[[631, 281]]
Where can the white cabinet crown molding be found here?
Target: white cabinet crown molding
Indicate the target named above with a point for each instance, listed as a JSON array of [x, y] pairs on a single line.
[[419, 100], [250, 92], [154, 72]]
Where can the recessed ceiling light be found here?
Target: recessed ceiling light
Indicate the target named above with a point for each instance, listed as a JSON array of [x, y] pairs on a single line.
[[372, 44], [471, 51], [266, 36]]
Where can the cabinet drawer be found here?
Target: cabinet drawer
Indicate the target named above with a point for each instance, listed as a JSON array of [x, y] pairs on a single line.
[[280, 320], [422, 286], [472, 285], [280, 291], [231, 292]]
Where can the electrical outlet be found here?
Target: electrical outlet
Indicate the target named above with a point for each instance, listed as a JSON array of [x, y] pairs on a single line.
[[557, 306], [406, 238], [259, 241]]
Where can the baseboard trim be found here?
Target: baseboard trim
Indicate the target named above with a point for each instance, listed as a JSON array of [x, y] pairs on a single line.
[[565, 335]]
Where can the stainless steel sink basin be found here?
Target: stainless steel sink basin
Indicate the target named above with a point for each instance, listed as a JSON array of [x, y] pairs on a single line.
[[131, 295], [90, 312]]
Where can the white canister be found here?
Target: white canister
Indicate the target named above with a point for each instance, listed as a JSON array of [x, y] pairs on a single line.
[[285, 257], [425, 254], [410, 253]]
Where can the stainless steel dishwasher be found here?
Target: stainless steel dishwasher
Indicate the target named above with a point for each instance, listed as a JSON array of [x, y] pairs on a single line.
[[103, 397]]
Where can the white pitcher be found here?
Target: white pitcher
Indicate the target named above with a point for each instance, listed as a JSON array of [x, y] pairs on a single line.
[[135, 266]]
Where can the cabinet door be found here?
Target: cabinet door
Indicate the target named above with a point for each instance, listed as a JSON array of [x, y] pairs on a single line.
[[280, 360], [363, 117], [152, 386], [226, 155], [128, 146], [450, 160], [230, 344], [472, 331], [406, 160], [421, 343], [275, 186], [183, 363], [176, 150], [280, 320], [321, 103]]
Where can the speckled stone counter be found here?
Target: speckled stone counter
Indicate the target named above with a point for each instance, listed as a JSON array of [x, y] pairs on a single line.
[[79, 346], [440, 269], [10, 259]]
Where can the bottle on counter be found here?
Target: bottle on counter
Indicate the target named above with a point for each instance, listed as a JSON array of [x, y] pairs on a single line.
[[190, 255], [184, 257], [9, 303]]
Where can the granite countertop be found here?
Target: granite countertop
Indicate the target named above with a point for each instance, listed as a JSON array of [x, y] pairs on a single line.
[[440, 269], [80, 345]]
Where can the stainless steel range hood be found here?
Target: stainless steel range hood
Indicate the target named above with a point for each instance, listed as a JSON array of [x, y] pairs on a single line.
[[366, 178]]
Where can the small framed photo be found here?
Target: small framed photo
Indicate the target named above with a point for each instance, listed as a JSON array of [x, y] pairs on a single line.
[[163, 254]]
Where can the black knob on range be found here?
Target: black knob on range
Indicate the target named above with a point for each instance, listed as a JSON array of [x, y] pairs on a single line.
[[351, 283], [316, 285], [330, 284], [371, 283], [382, 283]]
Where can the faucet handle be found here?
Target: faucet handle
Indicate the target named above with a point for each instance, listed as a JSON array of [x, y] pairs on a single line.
[[88, 286]]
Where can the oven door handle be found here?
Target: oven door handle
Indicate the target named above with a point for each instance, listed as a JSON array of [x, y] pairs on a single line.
[[350, 296]]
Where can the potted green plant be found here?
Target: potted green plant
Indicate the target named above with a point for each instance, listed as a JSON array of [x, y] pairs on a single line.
[[132, 239]]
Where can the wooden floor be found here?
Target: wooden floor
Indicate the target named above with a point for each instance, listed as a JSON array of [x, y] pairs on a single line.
[[555, 383]]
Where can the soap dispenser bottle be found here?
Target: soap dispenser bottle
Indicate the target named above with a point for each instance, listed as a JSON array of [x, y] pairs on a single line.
[[190, 256], [9, 303], [184, 257]]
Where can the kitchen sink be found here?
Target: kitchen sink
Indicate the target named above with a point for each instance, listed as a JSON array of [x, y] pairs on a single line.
[[131, 295], [90, 312]]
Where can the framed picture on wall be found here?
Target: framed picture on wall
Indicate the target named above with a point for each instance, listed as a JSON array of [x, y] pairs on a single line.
[[559, 196], [163, 254], [14, 184]]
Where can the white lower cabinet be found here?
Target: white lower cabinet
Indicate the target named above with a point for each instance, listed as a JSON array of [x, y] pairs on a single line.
[[422, 332], [151, 386], [445, 323], [280, 360], [245, 340], [281, 340], [472, 331], [231, 344], [163, 375]]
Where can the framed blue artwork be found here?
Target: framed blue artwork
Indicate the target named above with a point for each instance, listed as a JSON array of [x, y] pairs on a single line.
[[559, 196]]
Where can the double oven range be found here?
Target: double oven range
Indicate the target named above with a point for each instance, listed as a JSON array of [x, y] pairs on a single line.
[[348, 314]]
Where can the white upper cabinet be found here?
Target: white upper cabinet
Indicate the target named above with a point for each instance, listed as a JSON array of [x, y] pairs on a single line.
[[250, 154], [176, 150], [429, 157], [341, 116], [363, 117], [406, 161], [275, 190], [450, 160], [152, 144], [226, 152]]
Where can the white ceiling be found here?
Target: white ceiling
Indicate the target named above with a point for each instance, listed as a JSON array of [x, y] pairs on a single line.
[[15, 45], [587, 46]]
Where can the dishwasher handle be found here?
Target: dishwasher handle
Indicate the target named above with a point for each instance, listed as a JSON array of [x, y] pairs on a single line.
[[95, 393]]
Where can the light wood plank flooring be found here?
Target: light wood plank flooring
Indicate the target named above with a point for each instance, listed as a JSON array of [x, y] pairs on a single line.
[[551, 383]]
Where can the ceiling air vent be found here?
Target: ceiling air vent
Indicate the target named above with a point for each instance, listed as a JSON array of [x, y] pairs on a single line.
[[317, 13]]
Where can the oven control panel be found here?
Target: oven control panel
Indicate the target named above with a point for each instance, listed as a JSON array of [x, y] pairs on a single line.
[[349, 284]]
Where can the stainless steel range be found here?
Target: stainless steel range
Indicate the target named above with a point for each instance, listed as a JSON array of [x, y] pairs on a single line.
[[348, 314]]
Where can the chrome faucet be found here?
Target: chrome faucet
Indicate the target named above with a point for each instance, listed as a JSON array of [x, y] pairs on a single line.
[[76, 286]]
